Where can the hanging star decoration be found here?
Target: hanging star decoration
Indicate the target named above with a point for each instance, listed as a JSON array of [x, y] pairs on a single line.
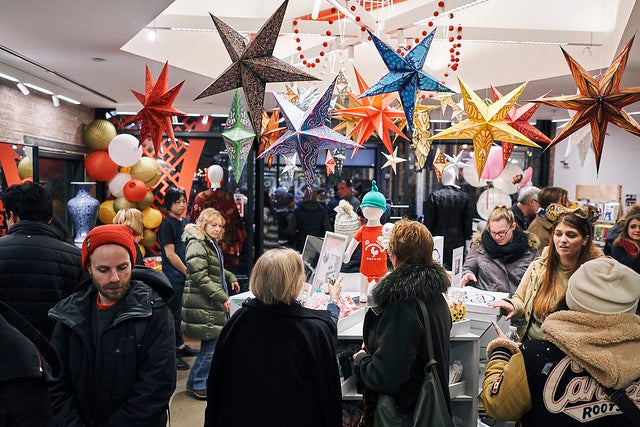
[[301, 97], [456, 161], [342, 84], [307, 133], [238, 136], [339, 158], [346, 124], [253, 65], [393, 159], [446, 100], [290, 167], [485, 123], [405, 74], [330, 163], [271, 131], [373, 114], [580, 140], [421, 132], [599, 101], [157, 101], [518, 118], [439, 163]]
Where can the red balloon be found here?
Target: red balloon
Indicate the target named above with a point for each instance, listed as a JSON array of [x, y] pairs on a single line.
[[135, 190], [100, 166]]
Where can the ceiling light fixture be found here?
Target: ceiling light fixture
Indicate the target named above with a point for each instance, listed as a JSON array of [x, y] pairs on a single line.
[[205, 119], [152, 34], [447, 12], [69, 100], [200, 30], [531, 42], [6, 77], [23, 89], [38, 88], [55, 100]]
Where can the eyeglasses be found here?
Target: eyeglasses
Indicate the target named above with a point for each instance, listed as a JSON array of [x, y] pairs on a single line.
[[500, 233]]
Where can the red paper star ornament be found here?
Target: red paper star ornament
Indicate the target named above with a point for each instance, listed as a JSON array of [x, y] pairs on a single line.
[[598, 101], [157, 100]]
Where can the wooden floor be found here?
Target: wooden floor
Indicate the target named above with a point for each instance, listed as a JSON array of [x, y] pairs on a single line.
[[185, 410]]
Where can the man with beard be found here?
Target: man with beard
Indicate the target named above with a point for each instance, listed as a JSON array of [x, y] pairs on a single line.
[[115, 338]]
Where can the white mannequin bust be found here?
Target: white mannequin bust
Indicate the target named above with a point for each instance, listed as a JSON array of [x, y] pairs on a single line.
[[449, 176], [216, 175]]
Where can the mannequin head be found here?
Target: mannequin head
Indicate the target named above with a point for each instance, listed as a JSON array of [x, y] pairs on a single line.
[[215, 174], [373, 205], [448, 176], [372, 215]]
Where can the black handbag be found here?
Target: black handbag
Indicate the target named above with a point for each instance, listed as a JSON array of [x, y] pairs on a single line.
[[430, 409]]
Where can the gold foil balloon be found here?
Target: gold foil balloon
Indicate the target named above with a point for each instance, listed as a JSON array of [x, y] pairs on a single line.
[[106, 212], [147, 170], [98, 134], [25, 168], [151, 218], [147, 201], [143, 251], [148, 238], [122, 203]]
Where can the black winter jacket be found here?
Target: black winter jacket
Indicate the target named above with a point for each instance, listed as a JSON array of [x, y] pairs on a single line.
[[29, 363], [309, 219], [275, 365], [37, 269], [395, 337], [447, 213], [129, 380]]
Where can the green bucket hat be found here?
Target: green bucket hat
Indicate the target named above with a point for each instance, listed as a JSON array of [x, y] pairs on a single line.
[[374, 198]]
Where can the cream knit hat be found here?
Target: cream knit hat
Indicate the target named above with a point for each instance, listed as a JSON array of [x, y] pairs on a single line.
[[347, 221], [603, 286]]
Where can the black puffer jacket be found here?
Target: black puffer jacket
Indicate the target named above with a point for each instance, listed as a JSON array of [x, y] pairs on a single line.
[[447, 213], [310, 219], [129, 380], [29, 363], [37, 269], [395, 336]]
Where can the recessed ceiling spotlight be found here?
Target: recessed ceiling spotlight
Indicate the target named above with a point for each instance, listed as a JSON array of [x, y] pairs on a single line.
[[152, 35], [98, 59]]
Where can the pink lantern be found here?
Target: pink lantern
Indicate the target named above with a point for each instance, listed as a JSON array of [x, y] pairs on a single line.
[[493, 168]]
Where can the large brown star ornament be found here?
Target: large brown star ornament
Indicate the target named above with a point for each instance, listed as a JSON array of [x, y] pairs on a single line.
[[157, 100], [598, 101]]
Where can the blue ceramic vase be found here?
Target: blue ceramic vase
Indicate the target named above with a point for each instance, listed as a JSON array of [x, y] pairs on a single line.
[[83, 210]]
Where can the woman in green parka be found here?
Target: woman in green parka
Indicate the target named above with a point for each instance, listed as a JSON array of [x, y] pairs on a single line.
[[206, 305]]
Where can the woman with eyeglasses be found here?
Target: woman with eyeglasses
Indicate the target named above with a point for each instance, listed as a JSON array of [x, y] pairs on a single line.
[[500, 255], [544, 285]]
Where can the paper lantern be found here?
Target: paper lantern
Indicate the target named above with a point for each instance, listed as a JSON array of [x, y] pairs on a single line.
[[116, 184], [148, 200], [135, 190], [124, 150], [147, 170], [98, 134], [122, 203], [151, 218], [149, 238], [106, 212], [25, 168], [99, 165], [494, 166]]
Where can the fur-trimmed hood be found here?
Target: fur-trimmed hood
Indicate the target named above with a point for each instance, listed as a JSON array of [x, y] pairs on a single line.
[[192, 231], [532, 239], [606, 346], [411, 281]]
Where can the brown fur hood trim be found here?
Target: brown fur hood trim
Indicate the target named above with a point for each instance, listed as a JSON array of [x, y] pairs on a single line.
[[191, 231], [606, 346]]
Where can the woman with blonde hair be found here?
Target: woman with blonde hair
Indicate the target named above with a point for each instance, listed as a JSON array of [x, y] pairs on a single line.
[[499, 255], [206, 305], [133, 219], [275, 362], [544, 284], [394, 355]]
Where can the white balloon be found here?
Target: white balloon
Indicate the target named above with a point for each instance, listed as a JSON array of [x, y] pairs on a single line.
[[489, 199], [116, 184], [124, 150]]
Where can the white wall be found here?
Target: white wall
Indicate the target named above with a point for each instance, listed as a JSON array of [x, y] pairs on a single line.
[[620, 164]]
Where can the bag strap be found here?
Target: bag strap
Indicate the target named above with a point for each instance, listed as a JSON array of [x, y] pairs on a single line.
[[427, 328], [626, 405]]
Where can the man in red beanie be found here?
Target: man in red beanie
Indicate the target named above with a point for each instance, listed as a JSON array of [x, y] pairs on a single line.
[[115, 339]]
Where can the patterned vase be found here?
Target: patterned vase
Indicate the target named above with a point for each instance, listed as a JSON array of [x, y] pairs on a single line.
[[83, 210]]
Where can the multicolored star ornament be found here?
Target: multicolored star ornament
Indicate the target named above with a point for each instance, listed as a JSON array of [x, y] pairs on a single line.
[[373, 114], [157, 100], [518, 118], [253, 65], [439, 163], [485, 123], [598, 102], [393, 159], [330, 163], [421, 132], [307, 133], [271, 131], [290, 167], [238, 136], [405, 74], [302, 98]]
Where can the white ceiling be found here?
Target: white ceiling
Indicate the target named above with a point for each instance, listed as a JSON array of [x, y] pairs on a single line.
[[64, 36]]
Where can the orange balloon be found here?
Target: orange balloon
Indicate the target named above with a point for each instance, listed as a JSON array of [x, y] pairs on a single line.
[[135, 190], [100, 166]]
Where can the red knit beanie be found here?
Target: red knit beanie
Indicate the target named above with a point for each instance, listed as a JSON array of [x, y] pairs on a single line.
[[110, 234]]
